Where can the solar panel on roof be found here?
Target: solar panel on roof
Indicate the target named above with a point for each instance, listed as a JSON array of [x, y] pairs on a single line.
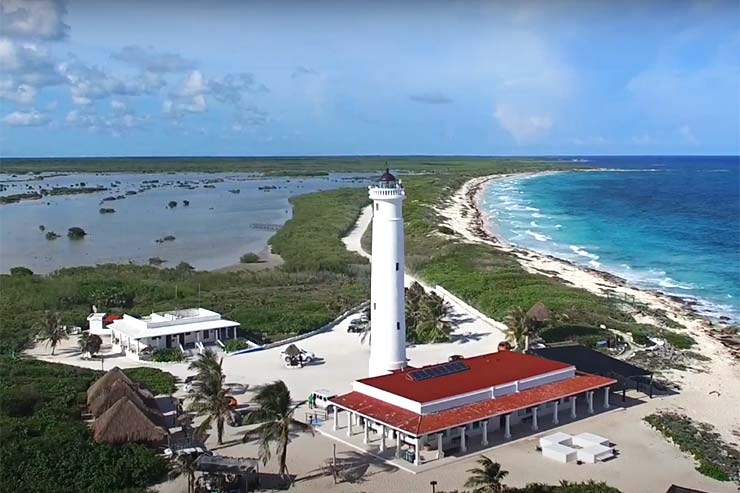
[[438, 371]]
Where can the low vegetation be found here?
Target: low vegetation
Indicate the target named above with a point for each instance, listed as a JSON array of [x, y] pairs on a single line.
[[235, 345], [47, 448], [51, 235], [310, 241], [716, 458], [167, 355], [106, 210], [76, 233], [249, 258], [158, 381]]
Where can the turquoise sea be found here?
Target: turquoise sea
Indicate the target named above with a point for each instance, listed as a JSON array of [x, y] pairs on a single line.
[[666, 223]]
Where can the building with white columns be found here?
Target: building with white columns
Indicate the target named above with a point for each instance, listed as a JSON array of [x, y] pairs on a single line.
[[387, 300], [449, 405]]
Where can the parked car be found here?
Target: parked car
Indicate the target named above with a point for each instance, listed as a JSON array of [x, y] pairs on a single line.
[[195, 452], [321, 398]]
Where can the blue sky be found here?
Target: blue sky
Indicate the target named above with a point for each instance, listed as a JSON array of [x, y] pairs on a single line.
[[100, 78]]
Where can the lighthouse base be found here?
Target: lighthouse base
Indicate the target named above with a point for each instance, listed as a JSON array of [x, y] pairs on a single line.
[[384, 367]]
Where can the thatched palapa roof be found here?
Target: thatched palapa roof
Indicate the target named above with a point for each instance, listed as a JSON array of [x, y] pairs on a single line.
[[126, 422], [102, 384], [118, 390], [539, 313]]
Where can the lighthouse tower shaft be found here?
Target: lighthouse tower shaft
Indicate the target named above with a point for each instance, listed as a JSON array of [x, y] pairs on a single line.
[[387, 300]]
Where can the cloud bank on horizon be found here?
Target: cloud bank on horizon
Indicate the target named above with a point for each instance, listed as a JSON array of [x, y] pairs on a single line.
[[98, 78]]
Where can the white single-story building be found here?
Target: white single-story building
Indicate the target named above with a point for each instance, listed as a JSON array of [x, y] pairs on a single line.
[[188, 329]]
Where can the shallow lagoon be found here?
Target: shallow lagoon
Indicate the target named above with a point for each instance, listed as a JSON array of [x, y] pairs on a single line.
[[211, 233]]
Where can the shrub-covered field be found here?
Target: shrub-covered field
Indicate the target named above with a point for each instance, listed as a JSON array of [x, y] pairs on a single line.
[[309, 241], [716, 458], [47, 447]]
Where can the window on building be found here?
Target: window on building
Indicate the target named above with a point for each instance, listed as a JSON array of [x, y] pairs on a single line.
[[476, 424], [398, 325], [376, 206], [375, 306], [396, 266], [206, 334]]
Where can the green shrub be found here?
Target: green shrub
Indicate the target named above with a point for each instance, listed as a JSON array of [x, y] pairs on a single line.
[[249, 258], [681, 341], [167, 355], [20, 271], [712, 471], [446, 230], [716, 458], [106, 210], [154, 379], [172, 203], [642, 339], [75, 233], [235, 345], [156, 261], [51, 235]]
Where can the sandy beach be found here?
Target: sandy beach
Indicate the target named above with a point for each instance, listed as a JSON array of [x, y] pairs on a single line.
[[716, 379]]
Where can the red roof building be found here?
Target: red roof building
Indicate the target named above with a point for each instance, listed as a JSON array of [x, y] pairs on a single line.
[[452, 401]]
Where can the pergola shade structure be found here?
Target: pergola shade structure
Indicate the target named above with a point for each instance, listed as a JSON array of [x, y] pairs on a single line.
[[598, 363]]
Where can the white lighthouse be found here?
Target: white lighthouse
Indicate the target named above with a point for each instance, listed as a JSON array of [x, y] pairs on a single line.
[[387, 304]]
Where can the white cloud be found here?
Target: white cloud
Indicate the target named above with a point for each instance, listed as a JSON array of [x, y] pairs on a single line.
[[150, 60], [31, 118], [87, 83], [190, 95], [687, 134], [115, 123], [33, 19], [17, 93], [523, 127]]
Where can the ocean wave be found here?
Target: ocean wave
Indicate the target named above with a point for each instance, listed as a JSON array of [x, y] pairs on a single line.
[[619, 170], [583, 253], [538, 236], [534, 224], [558, 226], [672, 283], [537, 215]]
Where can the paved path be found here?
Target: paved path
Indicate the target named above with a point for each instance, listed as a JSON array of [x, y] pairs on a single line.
[[470, 324]]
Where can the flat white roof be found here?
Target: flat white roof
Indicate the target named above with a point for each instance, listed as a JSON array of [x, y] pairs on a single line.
[[138, 331]]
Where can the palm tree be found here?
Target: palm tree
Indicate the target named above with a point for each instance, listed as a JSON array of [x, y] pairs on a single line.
[[184, 465], [276, 423], [90, 343], [51, 330], [488, 478], [209, 397], [433, 325], [519, 328]]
